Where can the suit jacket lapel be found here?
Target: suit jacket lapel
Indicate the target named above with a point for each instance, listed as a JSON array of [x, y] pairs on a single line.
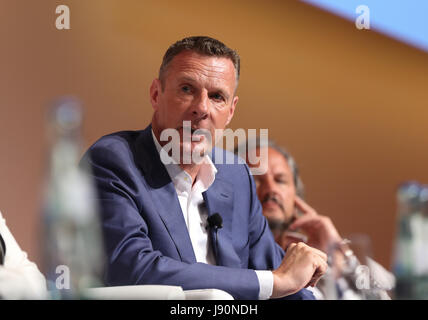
[[219, 199], [164, 195]]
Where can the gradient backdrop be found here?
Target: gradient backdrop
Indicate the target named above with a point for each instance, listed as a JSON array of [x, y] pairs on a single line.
[[350, 105]]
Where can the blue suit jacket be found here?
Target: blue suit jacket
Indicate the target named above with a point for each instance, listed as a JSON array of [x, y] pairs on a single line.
[[145, 234]]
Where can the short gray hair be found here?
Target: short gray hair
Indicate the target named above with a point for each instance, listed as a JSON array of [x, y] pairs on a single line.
[[300, 189], [203, 45]]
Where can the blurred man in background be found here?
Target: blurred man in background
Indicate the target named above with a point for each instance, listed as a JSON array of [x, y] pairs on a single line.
[[19, 277], [280, 191], [291, 220]]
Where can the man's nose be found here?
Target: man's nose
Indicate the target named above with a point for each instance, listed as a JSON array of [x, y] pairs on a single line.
[[268, 187], [200, 107], [271, 185]]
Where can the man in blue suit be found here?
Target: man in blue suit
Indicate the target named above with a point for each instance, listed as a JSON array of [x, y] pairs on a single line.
[[156, 206]]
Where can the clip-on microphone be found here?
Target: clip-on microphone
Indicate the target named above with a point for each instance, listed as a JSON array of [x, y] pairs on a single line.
[[215, 221]]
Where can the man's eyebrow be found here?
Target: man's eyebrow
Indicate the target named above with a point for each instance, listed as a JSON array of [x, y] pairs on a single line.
[[282, 174], [191, 80], [186, 79]]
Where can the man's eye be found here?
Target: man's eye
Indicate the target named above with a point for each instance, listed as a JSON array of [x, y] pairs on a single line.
[[186, 89], [217, 96]]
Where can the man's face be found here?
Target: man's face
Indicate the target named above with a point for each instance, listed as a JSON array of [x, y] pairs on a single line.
[[195, 88], [276, 189]]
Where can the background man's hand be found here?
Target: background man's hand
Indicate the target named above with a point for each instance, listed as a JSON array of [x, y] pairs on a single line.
[[319, 229], [301, 267]]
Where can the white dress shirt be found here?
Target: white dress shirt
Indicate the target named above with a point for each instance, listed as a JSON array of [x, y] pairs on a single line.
[[19, 277], [195, 213]]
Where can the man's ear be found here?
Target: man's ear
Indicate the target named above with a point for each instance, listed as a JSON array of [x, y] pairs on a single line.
[[155, 90], [232, 109]]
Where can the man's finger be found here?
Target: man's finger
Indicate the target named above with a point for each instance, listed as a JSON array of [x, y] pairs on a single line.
[[323, 256], [318, 253], [304, 207], [319, 272], [303, 221], [291, 246], [315, 279]]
